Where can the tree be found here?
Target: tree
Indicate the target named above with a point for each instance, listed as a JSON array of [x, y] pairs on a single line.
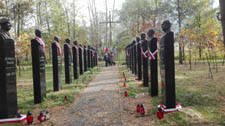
[[222, 11]]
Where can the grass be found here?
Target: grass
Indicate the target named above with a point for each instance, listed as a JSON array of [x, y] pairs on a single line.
[[25, 88], [202, 99]]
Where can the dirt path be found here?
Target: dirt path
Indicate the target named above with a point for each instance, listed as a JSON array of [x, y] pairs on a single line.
[[99, 105]]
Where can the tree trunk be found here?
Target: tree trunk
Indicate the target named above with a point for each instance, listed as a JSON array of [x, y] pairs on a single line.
[[179, 21], [222, 11]]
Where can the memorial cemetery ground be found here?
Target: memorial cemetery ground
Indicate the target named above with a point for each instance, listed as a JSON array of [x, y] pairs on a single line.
[[202, 98], [53, 99]]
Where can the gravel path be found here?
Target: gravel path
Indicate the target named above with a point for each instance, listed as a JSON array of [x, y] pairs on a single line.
[[99, 105]]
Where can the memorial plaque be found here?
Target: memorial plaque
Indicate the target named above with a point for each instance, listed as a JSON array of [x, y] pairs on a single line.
[[67, 61], [75, 63], [57, 66], [38, 66], [8, 93]]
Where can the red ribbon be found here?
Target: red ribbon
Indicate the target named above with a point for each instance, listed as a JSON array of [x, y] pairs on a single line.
[[69, 47], [152, 55], [76, 50], [93, 53], [58, 47], [144, 53], [41, 43]]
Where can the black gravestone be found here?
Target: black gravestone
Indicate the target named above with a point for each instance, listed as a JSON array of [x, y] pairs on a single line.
[[132, 58], [144, 60], [57, 66], [38, 65], [167, 62], [169, 71], [75, 58], [81, 59], [135, 57], [153, 66], [89, 57], [126, 56], [85, 58], [139, 59], [8, 94], [92, 57], [67, 61]]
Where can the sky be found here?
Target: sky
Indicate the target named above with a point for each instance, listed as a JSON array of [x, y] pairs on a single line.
[[216, 3], [100, 5]]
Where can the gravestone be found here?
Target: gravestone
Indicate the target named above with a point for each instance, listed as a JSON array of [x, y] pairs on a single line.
[[85, 58], [167, 67], [135, 57], [56, 64], [92, 57], [144, 59], [67, 61], [89, 57], [75, 58], [8, 93], [153, 62], [132, 58], [139, 58], [81, 59], [38, 65]]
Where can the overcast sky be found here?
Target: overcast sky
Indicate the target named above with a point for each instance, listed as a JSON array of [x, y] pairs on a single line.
[[100, 5]]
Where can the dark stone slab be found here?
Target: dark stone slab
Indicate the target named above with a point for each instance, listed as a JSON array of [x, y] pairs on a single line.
[[38, 66], [145, 64], [170, 94], [85, 59], [75, 62], [8, 93], [92, 58], [89, 57], [81, 60], [154, 67], [135, 58], [67, 61], [139, 59], [57, 68]]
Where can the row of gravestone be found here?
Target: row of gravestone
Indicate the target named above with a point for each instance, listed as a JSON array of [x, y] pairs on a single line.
[[8, 91], [142, 51]]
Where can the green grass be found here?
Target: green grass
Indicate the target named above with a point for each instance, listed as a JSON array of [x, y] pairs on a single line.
[[25, 88], [202, 98]]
